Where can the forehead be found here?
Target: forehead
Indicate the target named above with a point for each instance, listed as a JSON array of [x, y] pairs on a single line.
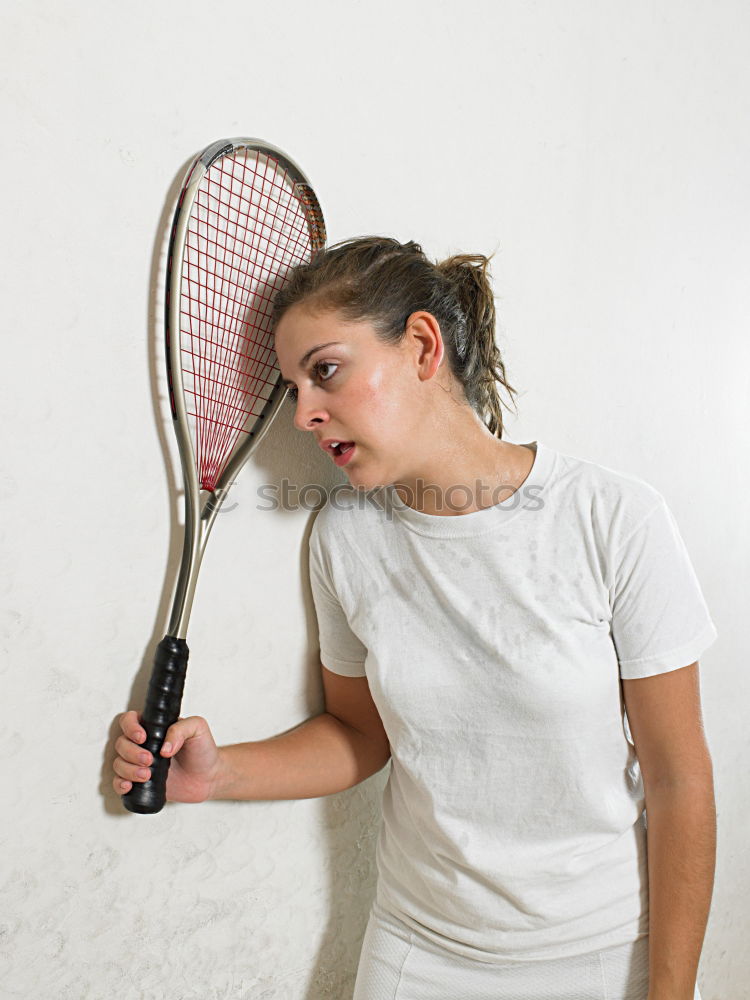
[[300, 321], [300, 330]]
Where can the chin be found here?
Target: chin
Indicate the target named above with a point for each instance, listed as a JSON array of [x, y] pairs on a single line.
[[364, 481]]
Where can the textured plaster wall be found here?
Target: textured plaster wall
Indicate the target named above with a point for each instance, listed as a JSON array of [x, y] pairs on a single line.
[[601, 149]]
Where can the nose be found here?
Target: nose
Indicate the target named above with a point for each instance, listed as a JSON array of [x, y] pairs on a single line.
[[308, 415]]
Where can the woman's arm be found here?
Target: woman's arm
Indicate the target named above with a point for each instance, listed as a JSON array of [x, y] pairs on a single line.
[[664, 714]]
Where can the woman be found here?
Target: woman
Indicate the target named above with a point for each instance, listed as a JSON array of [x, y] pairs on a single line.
[[479, 603]]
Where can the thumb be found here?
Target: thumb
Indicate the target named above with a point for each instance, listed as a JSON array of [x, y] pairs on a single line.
[[179, 732]]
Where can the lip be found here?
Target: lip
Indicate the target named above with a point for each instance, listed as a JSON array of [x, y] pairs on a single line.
[[343, 459], [338, 459]]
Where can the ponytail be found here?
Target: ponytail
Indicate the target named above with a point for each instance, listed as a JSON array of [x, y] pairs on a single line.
[[478, 363]]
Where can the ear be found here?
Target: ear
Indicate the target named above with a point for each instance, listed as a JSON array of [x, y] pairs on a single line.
[[426, 340]]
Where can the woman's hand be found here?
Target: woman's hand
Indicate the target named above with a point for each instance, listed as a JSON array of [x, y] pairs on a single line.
[[191, 747]]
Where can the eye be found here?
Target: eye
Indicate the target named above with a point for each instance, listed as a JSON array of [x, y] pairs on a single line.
[[292, 390], [324, 364]]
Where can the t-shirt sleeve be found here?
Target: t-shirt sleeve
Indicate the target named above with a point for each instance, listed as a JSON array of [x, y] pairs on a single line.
[[660, 621], [340, 649]]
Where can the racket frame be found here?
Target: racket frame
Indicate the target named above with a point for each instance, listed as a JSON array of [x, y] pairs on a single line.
[[202, 506]]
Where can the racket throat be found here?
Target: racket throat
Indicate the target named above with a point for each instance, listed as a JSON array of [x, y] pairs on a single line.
[[211, 504]]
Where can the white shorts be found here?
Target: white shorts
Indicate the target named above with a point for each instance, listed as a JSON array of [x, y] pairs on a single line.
[[398, 963]]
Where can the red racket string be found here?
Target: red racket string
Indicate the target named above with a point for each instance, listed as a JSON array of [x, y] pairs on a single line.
[[222, 412], [218, 430], [246, 229]]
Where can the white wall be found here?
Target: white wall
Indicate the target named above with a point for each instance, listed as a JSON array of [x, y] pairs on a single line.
[[602, 149]]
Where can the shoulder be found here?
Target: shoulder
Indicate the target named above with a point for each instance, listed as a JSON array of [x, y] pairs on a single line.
[[346, 535], [348, 512], [614, 502]]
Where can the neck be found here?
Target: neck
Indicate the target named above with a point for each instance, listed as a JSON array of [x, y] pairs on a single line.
[[470, 470]]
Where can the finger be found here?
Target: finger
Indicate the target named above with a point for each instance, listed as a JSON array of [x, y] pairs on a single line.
[[132, 753], [130, 772], [131, 726], [121, 786], [179, 732]]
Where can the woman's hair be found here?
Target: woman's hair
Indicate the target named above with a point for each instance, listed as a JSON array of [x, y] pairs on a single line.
[[382, 281]]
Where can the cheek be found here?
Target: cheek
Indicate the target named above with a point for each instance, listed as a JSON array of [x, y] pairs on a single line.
[[383, 401]]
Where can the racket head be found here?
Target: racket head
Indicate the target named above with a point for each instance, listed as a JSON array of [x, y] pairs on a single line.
[[245, 216]]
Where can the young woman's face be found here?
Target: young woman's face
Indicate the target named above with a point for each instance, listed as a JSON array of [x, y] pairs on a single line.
[[350, 386]]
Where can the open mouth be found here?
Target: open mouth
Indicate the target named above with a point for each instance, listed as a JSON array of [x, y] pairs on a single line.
[[343, 452]]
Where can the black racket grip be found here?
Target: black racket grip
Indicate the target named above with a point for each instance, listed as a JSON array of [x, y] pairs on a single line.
[[163, 702]]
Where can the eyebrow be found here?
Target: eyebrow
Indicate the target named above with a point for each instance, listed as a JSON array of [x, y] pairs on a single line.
[[306, 357]]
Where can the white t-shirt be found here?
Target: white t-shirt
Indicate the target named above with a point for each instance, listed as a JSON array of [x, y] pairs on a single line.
[[493, 643]]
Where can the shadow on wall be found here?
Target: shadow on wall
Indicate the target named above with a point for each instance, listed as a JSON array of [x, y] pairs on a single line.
[[350, 819]]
